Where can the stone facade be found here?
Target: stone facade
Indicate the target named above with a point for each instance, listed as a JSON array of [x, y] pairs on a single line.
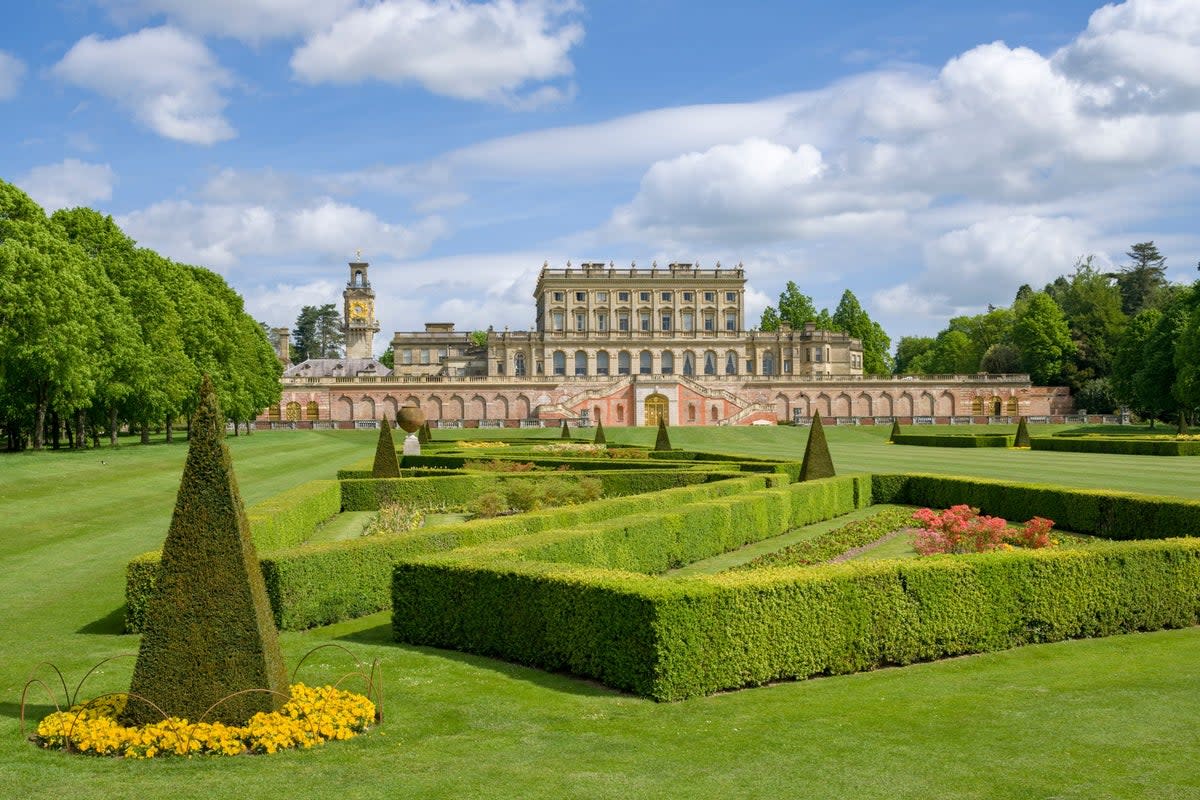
[[628, 345]]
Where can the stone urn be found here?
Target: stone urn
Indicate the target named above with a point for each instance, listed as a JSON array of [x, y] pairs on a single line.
[[410, 418]]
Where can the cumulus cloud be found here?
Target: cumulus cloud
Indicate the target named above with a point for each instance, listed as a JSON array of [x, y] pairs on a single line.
[[69, 183], [219, 235], [500, 51], [167, 78], [248, 20], [12, 69]]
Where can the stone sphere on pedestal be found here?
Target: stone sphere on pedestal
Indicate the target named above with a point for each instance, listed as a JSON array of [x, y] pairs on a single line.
[[410, 418]]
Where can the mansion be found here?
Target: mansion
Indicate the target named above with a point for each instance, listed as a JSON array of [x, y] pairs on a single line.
[[627, 346]]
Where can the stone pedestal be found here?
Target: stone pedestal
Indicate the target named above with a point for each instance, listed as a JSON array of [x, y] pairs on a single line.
[[411, 446]]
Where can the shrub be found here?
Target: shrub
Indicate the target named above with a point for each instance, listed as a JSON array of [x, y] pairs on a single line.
[[662, 442], [835, 542], [817, 461], [489, 504], [208, 631], [954, 439], [395, 518], [563, 432], [599, 438], [895, 430], [385, 465], [958, 529], [1022, 437], [1119, 445]]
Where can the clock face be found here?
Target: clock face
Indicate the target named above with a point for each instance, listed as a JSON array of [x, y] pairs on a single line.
[[358, 310]]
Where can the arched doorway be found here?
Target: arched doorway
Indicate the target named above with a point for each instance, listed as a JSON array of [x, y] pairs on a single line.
[[656, 408]]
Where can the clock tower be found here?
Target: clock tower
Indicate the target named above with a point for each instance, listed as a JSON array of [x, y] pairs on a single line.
[[358, 313]]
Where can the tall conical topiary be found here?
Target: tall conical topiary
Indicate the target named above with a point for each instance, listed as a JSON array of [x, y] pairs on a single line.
[[423, 434], [563, 432], [1183, 428], [1022, 439], [386, 465], [599, 433], [209, 632], [895, 430], [663, 441], [817, 461]]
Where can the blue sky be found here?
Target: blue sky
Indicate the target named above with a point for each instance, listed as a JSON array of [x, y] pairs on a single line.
[[929, 156]]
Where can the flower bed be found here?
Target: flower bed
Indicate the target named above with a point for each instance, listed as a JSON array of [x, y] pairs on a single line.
[[312, 716]]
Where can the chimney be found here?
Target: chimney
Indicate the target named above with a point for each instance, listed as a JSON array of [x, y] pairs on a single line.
[[283, 345]]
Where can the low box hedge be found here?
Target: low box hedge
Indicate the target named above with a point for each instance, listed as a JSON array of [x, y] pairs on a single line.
[[954, 439], [674, 638], [1118, 445], [1112, 515]]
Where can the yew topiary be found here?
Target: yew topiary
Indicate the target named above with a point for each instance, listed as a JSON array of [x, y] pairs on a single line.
[[563, 432], [895, 430], [817, 461], [663, 441], [423, 434], [599, 434], [386, 465], [1022, 439], [209, 633]]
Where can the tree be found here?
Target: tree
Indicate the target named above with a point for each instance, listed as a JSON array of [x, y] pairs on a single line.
[[1041, 333], [1001, 359], [1127, 359], [1141, 281], [1091, 303], [209, 633], [850, 317], [909, 349], [388, 359], [1154, 382], [794, 308], [1096, 395]]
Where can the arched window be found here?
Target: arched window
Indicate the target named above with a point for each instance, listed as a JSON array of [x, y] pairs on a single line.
[[292, 412], [691, 412], [560, 362], [668, 362], [768, 364], [314, 411], [580, 362], [977, 407], [519, 364], [645, 363], [731, 363], [620, 413], [714, 414], [997, 407], [602, 362], [623, 363], [689, 363], [710, 363], [1012, 409]]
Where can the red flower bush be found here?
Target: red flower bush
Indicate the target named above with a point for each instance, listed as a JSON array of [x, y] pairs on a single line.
[[962, 529]]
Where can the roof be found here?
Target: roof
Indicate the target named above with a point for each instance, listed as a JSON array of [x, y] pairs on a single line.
[[336, 368]]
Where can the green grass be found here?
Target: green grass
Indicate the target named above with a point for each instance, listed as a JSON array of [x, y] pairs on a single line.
[[1081, 719]]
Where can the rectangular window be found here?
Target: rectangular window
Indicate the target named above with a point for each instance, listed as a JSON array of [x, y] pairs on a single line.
[[666, 322], [645, 320], [665, 297], [819, 355], [686, 320], [787, 366], [580, 297], [558, 297], [710, 297], [644, 297], [731, 297], [710, 322], [623, 321], [601, 297], [602, 322], [687, 297], [406, 356], [581, 322], [749, 367], [623, 297], [424, 356], [443, 352], [731, 321], [558, 320]]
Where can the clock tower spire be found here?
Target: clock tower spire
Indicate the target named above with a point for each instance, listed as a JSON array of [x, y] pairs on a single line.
[[358, 310]]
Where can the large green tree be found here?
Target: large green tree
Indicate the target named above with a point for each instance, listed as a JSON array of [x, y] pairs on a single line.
[[850, 317], [1141, 280], [1091, 303], [1040, 332]]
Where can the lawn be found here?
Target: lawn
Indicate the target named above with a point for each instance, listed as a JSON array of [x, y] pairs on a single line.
[[1092, 718]]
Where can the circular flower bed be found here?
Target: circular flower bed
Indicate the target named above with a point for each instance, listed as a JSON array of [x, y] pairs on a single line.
[[311, 716]]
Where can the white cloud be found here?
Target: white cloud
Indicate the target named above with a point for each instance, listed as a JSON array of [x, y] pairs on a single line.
[[166, 78], [69, 183], [12, 69], [248, 20], [490, 51], [220, 235]]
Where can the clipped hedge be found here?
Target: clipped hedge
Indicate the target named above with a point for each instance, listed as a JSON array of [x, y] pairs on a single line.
[[1112, 515], [318, 584], [954, 439], [670, 639], [366, 494], [458, 462], [1118, 445]]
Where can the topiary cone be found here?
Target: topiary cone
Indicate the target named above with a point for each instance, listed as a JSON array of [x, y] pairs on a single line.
[[209, 632], [599, 434], [564, 433], [662, 441], [1022, 438], [817, 461], [423, 434], [386, 465], [895, 430]]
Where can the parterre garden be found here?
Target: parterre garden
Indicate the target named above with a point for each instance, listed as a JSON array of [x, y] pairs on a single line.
[[601, 588]]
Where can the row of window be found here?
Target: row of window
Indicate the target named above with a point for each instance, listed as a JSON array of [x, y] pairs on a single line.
[[644, 296], [425, 355], [709, 364], [644, 320]]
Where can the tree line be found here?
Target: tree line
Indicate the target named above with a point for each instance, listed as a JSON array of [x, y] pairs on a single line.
[[97, 333]]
